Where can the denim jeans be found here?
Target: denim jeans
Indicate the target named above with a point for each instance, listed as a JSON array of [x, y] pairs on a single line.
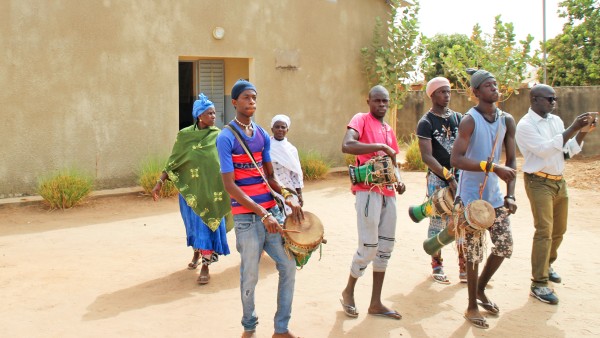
[[251, 239]]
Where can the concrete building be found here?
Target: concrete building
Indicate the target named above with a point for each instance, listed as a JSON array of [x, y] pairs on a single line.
[[100, 85]]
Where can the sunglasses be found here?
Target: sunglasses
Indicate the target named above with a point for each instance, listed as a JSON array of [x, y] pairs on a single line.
[[551, 99]]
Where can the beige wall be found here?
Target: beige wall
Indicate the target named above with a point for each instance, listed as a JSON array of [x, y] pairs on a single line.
[[95, 83], [572, 102]]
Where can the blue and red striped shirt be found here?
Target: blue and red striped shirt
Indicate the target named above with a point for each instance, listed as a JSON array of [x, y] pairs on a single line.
[[234, 159]]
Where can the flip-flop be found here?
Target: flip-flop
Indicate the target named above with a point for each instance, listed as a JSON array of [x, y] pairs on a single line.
[[462, 276], [489, 307], [440, 278], [349, 310], [203, 279], [479, 323], [193, 265], [393, 314]]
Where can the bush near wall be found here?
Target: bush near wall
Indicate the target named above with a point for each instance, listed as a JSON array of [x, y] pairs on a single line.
[[148, 173], [349, 159], [413, 155], [314, 166], [65, 189]]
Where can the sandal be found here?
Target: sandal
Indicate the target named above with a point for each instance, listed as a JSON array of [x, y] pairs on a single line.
[[439, 276], [349, 310], [489, 307], [203, 279], [462, 276], [193, 265], [480, 322]]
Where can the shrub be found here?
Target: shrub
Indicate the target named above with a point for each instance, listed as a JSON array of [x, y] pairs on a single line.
[[149, 171], [313, 165], [349, 159], [413, 155], [65, 189]]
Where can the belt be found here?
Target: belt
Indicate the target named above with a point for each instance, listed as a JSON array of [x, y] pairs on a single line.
[[548, 176]]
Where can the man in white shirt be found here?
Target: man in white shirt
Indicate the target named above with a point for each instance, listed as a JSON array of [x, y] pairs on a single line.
[[545, 144]]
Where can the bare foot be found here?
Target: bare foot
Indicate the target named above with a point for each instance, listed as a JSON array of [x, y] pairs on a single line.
[[482, 296], [249, 334], [285, 335]]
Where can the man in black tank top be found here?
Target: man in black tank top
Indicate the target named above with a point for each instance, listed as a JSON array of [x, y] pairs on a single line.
[[437, 131]]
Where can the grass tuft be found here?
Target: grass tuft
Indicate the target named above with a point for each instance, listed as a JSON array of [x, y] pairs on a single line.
[[349, 159], [149, 171], [314, 167], [413, 155], [65, 189]]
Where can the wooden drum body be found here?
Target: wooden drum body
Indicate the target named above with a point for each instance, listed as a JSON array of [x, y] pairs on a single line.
[[310, 236]]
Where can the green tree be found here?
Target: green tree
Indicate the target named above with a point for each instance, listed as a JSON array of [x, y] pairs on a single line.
[[499, 54], [392, 59], [436, 47], [574, 55]]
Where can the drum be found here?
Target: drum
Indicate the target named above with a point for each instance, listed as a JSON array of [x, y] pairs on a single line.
[[304, 238], [378, 170], [443, 201], [439, 204], [478, 215]]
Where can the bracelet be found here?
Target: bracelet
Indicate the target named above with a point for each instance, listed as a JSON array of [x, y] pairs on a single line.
[[160, 180], [447, 174], [265, 217], [511, 197], [486, 166], [285, 193]]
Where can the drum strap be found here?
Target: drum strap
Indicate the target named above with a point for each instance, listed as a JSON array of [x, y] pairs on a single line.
[[491, 158]]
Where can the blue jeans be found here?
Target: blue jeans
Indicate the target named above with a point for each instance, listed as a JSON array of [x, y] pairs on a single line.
[[251, 239]]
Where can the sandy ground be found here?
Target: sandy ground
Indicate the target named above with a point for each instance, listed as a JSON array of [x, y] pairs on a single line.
[[116, 267]]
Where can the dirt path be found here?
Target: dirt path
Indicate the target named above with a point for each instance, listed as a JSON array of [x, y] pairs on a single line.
[[116, 267]]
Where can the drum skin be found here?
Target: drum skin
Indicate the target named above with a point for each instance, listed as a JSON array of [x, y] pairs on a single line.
[[301, 244], [311, 231], [479, 215]]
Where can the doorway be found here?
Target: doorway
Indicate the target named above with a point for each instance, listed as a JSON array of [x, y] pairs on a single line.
[[201, 76]]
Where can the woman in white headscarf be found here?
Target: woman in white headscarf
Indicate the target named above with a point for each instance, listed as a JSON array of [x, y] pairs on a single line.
[[285, 159]]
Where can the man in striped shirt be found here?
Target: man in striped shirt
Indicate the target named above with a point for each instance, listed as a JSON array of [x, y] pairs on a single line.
[[256, 215]]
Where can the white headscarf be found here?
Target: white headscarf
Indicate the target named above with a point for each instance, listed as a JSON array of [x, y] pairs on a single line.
[[282, 118], [283, 152]]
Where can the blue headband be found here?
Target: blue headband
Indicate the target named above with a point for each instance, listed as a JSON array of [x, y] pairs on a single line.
[[239, 88], [201, 105]]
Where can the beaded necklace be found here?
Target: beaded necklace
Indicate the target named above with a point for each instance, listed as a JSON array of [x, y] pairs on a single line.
[[246, 126]]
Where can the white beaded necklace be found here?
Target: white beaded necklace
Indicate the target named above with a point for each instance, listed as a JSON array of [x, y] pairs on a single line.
[[246, 126]]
